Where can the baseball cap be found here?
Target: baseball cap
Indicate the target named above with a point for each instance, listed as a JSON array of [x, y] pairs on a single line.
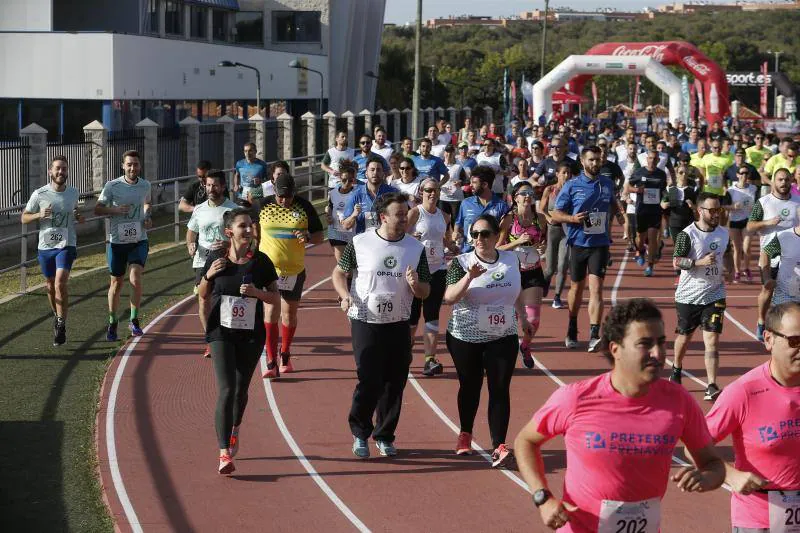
[[463, 144], [284, 185]]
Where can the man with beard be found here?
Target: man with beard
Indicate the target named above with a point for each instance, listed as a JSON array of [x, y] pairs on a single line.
[[649, 183], [482, 201], [545, 172]]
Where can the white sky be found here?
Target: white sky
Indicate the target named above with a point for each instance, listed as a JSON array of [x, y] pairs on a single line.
[[405, 11]]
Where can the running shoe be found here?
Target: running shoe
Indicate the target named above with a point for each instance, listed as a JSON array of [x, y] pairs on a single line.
[[111, 332], [557, 303], [286, 364], [640, 260], [570, 342], [648, 271], [737, 278], [631, 247], [676, 375], [133, 325], [432, 367], [712, 391], [233, 445], [748, 276], [272, 371], [760, 332], [464, 443], [360, 448], [226, 464], [665, 234], [386, 449], [501, 456], [60, 336], [594, 345], [527, 358], [207, 351]]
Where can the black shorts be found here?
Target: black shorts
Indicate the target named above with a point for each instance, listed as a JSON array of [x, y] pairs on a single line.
[[294, 293], [691, 316], [533, 278], [594, 259], [198, 276], [737, 224], [430, 306], [647, 221], [335, 243]]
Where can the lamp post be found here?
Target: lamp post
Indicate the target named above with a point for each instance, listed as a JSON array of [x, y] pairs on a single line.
[[544, 39], [415, 133], [296, 64], [258, 79], [777, 54]]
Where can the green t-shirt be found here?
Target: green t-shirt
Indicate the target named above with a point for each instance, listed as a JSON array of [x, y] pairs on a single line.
[[128, 228]]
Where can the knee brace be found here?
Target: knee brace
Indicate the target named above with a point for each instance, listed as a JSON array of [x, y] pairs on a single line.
[[533, 313], [432, 326]]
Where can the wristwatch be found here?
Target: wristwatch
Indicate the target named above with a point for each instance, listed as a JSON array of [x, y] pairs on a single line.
[[541, 496]]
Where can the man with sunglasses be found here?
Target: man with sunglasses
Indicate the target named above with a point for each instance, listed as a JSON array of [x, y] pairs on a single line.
[[761, 411], [464, 159], [740, 162], [758, 154], [545, 172], [365, 155], [482, 201], [713, 166], [701, 249]]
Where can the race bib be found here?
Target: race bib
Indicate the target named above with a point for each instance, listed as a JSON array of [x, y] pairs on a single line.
[[715, 182], [528, 256], [784, 511], [435, 252], [651, 196], [596, 224], [630, 517], [200, 257], [340, 226], [129, 232], [237, 312], [493, 320], [371, 219], [287, 283], [384, 308], [54, 237]]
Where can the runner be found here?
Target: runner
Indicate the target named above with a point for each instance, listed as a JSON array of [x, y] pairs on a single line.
[[389, 269], [276, 169], [772, 213], [451, 193], [409, 181], [249, 172], [338, 236], [380, 146], [760, 411], [55, 206], [557, 255], [619, 452], [427, 164], [785, 246], [195, 193], [790, 160], [234, 283], [681, 199], [365, 156], [741, 198], [585, 203], [358, 212], [484, 287], [713, 167], [483, 200], [629, 166], [521, 233], [205, 233], [126, 201], [650, 184], [700, 251], [494, 160], [545, 172], [430, 224], [334, 156]]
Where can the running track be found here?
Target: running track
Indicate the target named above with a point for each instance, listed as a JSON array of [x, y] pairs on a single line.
[[295, 471]]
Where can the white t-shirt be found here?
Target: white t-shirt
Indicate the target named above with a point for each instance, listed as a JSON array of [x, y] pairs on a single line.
[[207, 222], [451, 190], [432, 226], [338, 200], [58, 230], [411, 189], [745, 196]]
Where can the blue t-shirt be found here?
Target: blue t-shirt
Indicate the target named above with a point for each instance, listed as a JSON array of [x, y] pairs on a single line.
[[471, 208], [469, 163], [248, 172], [689, 147], [361, 160], [594, 196], [431, 166], [362, 196]]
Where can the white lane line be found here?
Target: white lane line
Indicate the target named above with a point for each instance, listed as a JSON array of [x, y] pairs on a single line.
[[182, 314], [618, 279], [742, 327], [298, 453], [111, 441]]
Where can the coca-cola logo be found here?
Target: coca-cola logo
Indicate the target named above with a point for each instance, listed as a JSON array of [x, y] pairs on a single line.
[[699, 68], [651, 50]]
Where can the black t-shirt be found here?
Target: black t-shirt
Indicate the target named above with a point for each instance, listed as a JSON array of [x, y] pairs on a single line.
[[680, 214], [226, 283], [649, 203], [547, 168], [613, 172]]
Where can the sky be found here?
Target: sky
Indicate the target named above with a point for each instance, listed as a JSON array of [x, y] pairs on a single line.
[[405, 11]]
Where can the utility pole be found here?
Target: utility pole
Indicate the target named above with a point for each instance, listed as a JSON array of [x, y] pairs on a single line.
[[774, 85], [415, 100], [544, 38]]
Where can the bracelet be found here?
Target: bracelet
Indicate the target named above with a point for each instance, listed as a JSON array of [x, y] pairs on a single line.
[[684, 263], [205, 277]]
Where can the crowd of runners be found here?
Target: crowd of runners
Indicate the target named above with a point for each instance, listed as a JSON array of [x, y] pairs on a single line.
[[491, 224]]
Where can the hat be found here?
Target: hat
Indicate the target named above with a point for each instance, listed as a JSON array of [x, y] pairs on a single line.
[[463, 144], [740, 151], [284, 185]]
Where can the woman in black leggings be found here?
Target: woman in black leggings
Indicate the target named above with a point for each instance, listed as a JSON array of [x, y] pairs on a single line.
[[235, 283]]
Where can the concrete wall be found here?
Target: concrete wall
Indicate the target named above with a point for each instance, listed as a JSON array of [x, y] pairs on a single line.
[[271, 6], [121, 16], [27, 15]]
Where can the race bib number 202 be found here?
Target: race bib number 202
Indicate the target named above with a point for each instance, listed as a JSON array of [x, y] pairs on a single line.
[[630, 517], [784, 511]]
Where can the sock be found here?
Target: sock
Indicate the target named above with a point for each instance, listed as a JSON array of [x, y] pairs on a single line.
[[594, 331], [429, 357], [134, 312], [287, 334], [112, 319], [572, 329], [272, 341]]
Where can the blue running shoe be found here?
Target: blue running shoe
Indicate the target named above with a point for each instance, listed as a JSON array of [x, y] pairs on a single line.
[[111, 332], [640, 260], [386, 449], [133, 325], [648, 271], [760, 332], [360, 448]]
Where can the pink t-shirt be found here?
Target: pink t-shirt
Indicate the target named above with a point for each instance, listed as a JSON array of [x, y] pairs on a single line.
[[763, 419], [618, 448]]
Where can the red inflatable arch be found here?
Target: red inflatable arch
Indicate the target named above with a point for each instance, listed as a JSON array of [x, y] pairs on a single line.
[[715, 85]]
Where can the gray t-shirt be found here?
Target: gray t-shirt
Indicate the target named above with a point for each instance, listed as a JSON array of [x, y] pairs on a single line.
[[128, 228], [58, 230]]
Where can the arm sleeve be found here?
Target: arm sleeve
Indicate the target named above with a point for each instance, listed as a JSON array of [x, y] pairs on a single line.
[[773, 248], [455, 272], [423, 270], [695, 431], [553, 417], [757, 214], [683, 244], [348, 260]]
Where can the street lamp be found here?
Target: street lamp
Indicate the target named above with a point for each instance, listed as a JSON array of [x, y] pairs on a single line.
[[775, 85], [296, 64], [258, 79]]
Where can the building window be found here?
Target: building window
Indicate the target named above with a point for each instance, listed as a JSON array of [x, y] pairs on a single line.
[[151, 17], [296, 27], [199, 20], [219, 25], [173, 17], [249, 27]]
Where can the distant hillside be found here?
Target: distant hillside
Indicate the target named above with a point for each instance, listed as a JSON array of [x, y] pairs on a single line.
[[477, 54]]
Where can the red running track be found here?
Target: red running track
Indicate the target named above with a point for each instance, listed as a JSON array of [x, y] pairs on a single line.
[[295, 471]]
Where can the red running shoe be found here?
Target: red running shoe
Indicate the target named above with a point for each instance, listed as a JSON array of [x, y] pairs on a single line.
[[464, 444], [272, 371], [207, 352], [286, 364], [226, 464], [501, 456]]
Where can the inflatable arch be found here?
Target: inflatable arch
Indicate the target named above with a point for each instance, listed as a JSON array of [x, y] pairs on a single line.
[[680, 53], [587, 66]]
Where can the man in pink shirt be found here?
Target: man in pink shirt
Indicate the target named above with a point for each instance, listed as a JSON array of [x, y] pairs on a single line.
[[761, 412], [620, 429]]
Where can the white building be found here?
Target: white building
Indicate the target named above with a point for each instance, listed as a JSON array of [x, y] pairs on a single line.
[[65, 63]]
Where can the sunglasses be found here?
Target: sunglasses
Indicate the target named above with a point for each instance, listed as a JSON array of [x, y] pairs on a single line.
[[405, 168], [429, 190], [485, 233], [712, 210], [792, 340], [362, 143], [742, 173], [525, 193]]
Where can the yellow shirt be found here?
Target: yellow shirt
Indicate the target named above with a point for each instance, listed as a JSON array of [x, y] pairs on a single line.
[[277, 240], [756, 157], [714, 167], [779, 161]]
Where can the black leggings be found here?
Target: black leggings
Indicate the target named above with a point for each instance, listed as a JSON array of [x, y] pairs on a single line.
[[497, 358], [234, 363], [430, 306]]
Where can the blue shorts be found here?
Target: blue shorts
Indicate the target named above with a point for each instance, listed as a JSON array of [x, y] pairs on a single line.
[[119, 256], [57, 258]]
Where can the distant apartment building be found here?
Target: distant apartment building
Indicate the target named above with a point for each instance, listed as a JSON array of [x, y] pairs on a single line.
[[687, 8]]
